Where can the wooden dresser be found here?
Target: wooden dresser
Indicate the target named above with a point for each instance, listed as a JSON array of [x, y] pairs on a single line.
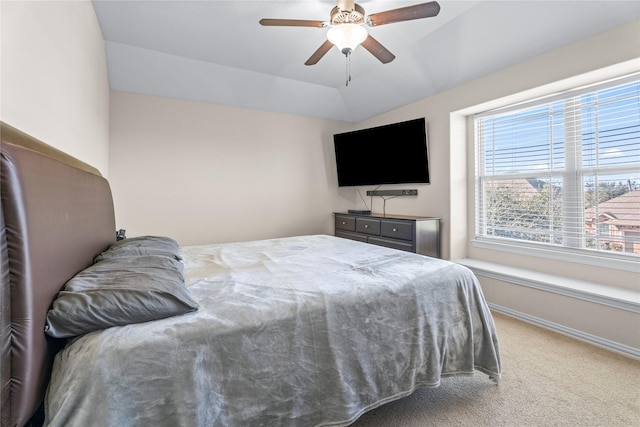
[[408, 233]]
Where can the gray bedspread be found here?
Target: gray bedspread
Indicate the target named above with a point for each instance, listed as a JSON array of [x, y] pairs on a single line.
[[301, 331]]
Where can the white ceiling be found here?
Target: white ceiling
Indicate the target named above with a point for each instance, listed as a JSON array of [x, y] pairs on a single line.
[[216, 52]]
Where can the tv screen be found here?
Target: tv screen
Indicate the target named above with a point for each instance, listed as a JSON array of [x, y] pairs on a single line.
[[390, 154]]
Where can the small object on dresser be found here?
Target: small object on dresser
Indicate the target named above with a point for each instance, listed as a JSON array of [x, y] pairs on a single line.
[[359, 212]]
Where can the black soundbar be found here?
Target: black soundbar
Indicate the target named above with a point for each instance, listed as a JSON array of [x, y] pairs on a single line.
[[411, 192]]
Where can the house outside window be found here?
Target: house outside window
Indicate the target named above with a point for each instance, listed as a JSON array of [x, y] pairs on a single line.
[[563, 172]]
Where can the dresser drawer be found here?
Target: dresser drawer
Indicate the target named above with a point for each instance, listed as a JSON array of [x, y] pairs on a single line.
[[351, 236], [347, 223], [368, 226], [395, 244], [397, 229]]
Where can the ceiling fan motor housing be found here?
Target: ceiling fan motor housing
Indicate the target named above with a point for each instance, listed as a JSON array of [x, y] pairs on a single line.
[[340, 16]]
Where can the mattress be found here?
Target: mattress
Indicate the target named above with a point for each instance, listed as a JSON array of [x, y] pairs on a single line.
[[300, 331]]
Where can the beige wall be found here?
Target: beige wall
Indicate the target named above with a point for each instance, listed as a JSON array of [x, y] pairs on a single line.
[[209, 173], [600, 324], [54, 82]]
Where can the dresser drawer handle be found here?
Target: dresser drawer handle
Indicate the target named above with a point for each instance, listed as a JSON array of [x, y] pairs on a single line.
[[344, 222], [366, 226], [395, 229]]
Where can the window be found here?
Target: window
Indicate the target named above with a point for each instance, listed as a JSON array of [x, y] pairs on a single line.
[[563, 172]]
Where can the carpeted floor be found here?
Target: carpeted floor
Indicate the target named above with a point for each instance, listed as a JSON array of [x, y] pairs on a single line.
[[548, 379]]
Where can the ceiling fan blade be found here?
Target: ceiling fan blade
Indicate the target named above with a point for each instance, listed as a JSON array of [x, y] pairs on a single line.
[[318, 54], [292, 23], [418, 11], [377, 50]]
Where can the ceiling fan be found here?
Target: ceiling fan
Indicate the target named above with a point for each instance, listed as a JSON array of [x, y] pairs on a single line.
[[347, 31]]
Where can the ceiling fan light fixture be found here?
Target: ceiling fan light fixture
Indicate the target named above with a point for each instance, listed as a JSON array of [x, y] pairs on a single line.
[[346, 37]]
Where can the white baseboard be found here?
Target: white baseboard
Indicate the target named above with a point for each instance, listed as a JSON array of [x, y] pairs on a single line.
[[582, 336]]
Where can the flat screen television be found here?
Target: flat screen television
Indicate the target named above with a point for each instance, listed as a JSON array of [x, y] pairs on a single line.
[[389, 154]]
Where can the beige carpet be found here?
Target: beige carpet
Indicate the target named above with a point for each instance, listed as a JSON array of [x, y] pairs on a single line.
[[548, 379]]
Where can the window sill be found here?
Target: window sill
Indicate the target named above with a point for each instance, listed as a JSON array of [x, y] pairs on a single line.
[[620, 298], [612, 261]]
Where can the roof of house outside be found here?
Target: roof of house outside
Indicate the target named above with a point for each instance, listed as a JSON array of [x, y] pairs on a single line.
[[625, 209]]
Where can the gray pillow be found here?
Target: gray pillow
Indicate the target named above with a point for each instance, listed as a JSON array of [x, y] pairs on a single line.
[[119, 291], [141, 245]]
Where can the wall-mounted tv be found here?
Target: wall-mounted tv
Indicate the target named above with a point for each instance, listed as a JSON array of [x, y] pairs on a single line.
[[389, 154]]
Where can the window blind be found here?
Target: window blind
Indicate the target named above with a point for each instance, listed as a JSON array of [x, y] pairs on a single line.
[[563, 171]]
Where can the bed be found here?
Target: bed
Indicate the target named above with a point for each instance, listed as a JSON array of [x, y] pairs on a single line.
[[296, 331]]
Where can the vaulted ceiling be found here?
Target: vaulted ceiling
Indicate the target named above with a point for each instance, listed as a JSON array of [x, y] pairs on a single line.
[[217, 52]]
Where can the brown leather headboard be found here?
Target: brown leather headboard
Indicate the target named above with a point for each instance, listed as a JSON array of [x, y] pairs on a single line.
[[56, 215]]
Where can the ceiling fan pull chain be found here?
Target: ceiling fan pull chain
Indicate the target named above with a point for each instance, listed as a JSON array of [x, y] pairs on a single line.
[[348, 55]]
